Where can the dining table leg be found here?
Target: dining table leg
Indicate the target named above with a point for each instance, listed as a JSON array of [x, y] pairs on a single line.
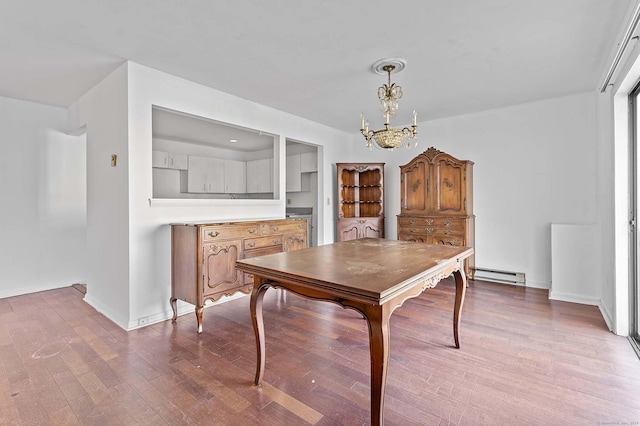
[[461, 289], [255, 306], [378, 321]]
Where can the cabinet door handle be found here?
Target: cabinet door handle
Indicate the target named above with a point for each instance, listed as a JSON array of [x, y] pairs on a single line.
[[251, 244], [251, 231], [300, 226], [446, 223], [214, 234], [276, 241], [413, 230], [429, 230], [274, 228], [446, 232], [412, 222]]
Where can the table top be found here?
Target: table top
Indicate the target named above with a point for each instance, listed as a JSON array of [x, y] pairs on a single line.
[[367, 269]]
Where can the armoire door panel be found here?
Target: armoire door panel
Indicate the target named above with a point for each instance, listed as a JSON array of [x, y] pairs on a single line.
[[414, 188], [450, 190]]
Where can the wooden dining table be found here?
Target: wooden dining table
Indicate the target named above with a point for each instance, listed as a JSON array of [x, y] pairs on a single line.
[[371, 276]]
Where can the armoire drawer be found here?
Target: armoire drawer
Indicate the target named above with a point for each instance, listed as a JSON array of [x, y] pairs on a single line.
[[448, 232], [448, 240]]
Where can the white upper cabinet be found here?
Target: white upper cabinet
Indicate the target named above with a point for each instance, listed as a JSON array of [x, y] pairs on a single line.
[[308, 162], [205, 175], [160, 159], [178, 161], [260, 176], [213, 175], [234, 177], [169, 160], [294, 179]]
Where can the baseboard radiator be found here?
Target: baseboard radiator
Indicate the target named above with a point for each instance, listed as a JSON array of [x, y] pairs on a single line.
[[495, 275]]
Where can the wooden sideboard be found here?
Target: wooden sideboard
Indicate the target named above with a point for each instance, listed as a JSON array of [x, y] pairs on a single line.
[[203, 257], [436, 202]]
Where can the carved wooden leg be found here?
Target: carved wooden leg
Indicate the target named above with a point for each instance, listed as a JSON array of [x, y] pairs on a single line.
[[255, 306], [378, 320], [174, 306], [461, 289], [199, 310]]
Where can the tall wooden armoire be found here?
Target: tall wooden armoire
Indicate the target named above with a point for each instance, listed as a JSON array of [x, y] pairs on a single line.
[[436, 201], [360, 200]]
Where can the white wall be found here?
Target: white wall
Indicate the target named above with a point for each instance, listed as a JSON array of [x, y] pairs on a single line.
[[117, 113], [535, 164], [575, 264], [103, 110], [43, 192]]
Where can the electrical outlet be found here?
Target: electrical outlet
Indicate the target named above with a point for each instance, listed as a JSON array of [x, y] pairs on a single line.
[[288, 200], [143, 321]]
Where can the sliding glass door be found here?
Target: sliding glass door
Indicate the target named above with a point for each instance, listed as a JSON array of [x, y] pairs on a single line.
[[634, 273]]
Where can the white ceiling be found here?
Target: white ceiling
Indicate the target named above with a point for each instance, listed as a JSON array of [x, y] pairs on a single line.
[[313, 59], [182, 127]]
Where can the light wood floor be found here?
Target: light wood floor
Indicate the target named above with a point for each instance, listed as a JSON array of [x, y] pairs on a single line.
[[523, 360]]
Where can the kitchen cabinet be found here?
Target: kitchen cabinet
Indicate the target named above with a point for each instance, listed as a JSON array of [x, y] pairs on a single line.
[[203, 257], [205, 175], [294, 178], [234, 177], [259, 176], [309, 162], [169, 160]]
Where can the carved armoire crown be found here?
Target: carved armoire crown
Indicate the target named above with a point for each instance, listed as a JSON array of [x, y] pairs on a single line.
[[436, 201]]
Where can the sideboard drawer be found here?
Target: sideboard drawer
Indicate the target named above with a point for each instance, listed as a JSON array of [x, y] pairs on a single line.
[[284, 226], [260, 242], [217, 233]]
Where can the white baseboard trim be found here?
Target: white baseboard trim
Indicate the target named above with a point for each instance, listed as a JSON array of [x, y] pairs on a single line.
[[21, 291], [184, 308], [111, 315], [608, 319], [574, 298], [537, 284]]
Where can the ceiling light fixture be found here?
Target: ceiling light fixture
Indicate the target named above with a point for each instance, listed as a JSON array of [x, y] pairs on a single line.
[[233, 140], [389, 94]]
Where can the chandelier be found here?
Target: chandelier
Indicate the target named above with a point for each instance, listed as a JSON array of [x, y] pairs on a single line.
[[389, 94]]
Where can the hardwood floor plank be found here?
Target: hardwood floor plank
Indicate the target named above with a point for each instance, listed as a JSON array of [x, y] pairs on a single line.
[[301, 410], [523, 360]]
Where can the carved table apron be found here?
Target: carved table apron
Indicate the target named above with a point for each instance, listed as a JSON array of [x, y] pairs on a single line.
[[372, 276]]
